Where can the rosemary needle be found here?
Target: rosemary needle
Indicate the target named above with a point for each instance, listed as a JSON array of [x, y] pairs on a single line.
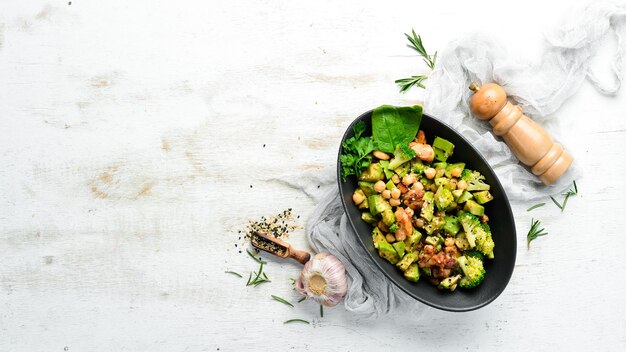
[[536, 206], [296, 320], [282, 300], [233, 272], [321, 311], [258, 260], [301, 299]]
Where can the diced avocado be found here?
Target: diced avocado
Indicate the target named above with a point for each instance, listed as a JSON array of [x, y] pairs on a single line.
[[436, 224], [368, 218], [365, 204], [483, 197], [443, 198], [442, 181], [386, 251], [452, 225], [402, 169], [427, 271], [474, 208], [385, 164], [367, 187], [412, 273], [407, 260], [452, 206], [390, 185], [378, 237], [378, 204], [443, 149], [373, 173], [464, 197], [412, 240], [399, 247], [461, 241], [388, 217], [440, 166], [450, 283], [432, 240], [428, 208], [457, 194], [456, 168]]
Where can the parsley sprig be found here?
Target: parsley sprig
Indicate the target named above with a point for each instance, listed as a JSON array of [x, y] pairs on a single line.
[[355, 155], [534, 231]]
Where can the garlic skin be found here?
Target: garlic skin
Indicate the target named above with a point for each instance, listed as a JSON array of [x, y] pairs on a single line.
[[323, 279]]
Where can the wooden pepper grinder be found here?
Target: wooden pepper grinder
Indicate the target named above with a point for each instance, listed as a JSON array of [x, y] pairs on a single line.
[[528, 141]]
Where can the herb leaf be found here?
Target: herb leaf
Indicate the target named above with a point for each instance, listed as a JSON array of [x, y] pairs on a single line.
[[392, 126], [296, 320], [282, 300], [301, 299], [569, 193], [233, 272], [536, 206], [321, 311], [534, 231], [355, 155], [256, 259]]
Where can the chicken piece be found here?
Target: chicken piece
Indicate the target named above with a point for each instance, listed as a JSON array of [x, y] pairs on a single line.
[[423, 151], [405, 227], [413, 199]]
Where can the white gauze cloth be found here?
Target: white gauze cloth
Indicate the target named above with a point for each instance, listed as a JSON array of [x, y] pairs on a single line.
[[540, 90]]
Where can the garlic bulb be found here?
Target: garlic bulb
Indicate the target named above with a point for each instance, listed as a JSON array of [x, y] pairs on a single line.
[[323, 279]]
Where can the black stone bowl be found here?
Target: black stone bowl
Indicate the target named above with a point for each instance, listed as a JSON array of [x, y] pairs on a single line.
[[499, 270]]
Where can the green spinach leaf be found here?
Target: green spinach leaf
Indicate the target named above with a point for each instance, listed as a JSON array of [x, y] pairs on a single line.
[[395, 125]]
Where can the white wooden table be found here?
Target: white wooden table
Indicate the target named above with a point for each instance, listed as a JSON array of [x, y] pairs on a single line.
[[137, 137]]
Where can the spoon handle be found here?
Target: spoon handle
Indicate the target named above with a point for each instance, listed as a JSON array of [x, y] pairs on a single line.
[[301, 256]]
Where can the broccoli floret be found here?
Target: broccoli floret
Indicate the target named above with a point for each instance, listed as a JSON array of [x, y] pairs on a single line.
[[473, 270], [401, 155], [484, 241], [470, 225], [475, 181], [473, 253]]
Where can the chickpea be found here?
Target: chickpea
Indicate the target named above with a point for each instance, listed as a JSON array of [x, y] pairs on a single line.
[[381, 155], [449, 242], [418, 186], [461, 184], [408, 180], [387, 194], [395, 179], [395, 193], [409, 212], [394, 202], [419, 223], [430, 173], [358, 198], [453, 183], [456, 172], [379, 186], [390, 238]]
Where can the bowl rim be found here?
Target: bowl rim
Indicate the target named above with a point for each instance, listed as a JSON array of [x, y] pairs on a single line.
[[378, 265]]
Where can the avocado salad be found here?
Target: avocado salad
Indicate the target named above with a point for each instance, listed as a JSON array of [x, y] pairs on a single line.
[[427, 212]]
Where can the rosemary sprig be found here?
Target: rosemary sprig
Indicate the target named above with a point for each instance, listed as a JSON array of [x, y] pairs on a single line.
[[406, 83], [417, 45], [536, 206], [321, 311], [296, 320], [282, 300], [534, 231], [233, 272], [258, 260], [259, 277]]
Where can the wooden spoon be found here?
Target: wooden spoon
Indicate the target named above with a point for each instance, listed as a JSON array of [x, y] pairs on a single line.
[[279, 248]]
